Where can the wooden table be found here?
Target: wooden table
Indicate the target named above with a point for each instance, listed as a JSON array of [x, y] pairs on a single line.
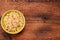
[[42, 19]]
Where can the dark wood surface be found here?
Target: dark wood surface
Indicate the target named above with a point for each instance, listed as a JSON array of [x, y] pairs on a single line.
[[42, 19]]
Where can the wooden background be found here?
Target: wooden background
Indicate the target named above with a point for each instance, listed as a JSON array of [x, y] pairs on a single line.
[[42, 19]]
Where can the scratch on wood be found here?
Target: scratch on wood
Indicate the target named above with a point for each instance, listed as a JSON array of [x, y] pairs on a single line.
[[14, 0], [45, 16], [43, 0], [43, 30]]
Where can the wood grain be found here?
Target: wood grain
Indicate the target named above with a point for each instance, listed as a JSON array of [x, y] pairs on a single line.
[[42, 20]]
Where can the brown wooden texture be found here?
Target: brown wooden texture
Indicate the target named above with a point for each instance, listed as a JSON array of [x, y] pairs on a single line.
[[42, 19]]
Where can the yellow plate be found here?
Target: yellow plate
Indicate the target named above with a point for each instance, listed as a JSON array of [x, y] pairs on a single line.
[[19, 29]]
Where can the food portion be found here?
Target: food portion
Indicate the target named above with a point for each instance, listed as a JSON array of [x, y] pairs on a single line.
[[13, 21]]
